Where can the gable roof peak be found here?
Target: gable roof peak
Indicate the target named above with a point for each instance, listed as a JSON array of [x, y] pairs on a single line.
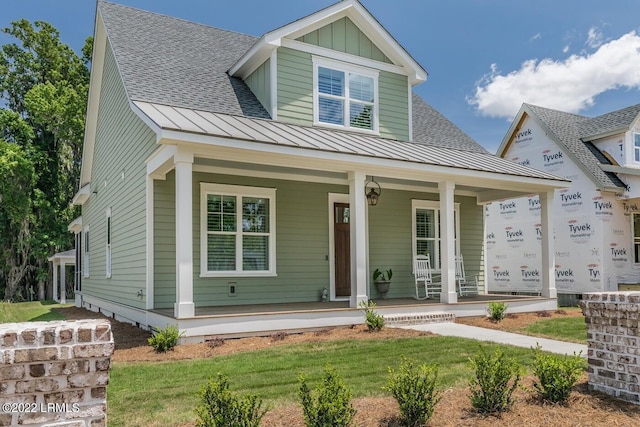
[[352, 9]]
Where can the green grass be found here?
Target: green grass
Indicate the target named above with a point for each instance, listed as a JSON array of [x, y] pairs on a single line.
[[11, 312], [572, 329], [165, 394]]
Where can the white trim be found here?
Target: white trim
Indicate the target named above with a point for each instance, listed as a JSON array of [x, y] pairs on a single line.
[[332, 199], [161, 161], [239, 192], [86, 251], [358, 238], [82, 195], [344, 57], [352, 9], [346, 69], [410, 111], [76, 225], [257, 152], [150, 220], [273, 88], [108, 230], [435, 205]]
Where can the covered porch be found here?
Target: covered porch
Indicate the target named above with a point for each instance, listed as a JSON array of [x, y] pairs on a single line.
[[292, 182]]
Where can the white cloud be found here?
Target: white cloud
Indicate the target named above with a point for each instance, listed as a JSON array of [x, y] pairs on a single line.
[[594, 38], [570, 85], [565, 49], [538, 36]]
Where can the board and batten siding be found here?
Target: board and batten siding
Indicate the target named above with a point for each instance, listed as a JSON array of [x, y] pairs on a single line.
[[260, 84], [344, 36], [302, 245], [390, 238], [295, 95], [118, 180]]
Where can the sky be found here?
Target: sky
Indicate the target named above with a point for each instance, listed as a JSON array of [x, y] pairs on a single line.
[[484, 57]]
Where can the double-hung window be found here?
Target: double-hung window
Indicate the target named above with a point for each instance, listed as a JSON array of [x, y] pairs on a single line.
[[636, 147], [426, 230], [345, 96], [85, 258], [237, 226], [108, 245]]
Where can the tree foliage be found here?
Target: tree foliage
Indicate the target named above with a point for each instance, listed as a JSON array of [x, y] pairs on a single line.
[[43, 98]]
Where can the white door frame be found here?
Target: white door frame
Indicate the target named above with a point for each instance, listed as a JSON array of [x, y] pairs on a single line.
[[334, 198]]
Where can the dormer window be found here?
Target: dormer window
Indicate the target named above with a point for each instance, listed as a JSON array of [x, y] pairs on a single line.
[[345, 96]]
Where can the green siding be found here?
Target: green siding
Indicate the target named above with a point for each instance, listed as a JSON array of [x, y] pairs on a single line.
[[295, 87], [122, 144], [260, 84], [295, 95], [344, 36], [393, 110], [164, 239], [302, 243], [390, 238]]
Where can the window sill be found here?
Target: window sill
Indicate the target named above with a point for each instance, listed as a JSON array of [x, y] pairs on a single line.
[[238, 274], [345, 128]]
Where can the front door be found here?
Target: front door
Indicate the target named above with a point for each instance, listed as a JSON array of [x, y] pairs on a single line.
[[341, 233]]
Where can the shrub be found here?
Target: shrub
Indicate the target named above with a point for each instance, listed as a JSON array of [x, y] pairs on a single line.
[[165, 339], [556, 375], [220, 407], [496, 378], [330, 403], [374, 321], [414, 388], [497, 311]]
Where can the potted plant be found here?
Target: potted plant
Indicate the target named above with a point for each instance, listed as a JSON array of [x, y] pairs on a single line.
[[382, 280]]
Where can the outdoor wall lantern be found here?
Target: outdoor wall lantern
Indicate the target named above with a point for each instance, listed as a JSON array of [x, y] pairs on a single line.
[[371, 192]]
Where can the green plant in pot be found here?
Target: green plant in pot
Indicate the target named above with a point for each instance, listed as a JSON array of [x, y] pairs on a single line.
[[382, 280]]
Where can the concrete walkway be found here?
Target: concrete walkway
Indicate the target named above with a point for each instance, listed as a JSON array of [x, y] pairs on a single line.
[[484, 334]]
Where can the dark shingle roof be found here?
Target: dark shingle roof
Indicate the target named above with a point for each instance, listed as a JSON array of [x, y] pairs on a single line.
[[614, 121], [566, 127], [170, 61], [175, 62]]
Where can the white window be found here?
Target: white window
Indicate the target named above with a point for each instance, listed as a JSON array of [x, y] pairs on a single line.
[[237, 230], [636, 146], [85, 241], [636, 238], [108, 240], [426, 230], [345, 96]]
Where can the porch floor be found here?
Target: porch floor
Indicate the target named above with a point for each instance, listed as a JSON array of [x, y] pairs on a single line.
[[383, 304]]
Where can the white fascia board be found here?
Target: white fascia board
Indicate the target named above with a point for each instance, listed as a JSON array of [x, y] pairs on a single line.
[[82, 195], [262, 49], [161, 161], [620, 169], [76, 225], [147, 120], [279, 155], [95, 83]]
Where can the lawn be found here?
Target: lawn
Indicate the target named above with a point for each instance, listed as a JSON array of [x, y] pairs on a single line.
[[164, 394], [11, 312], [572, 329]]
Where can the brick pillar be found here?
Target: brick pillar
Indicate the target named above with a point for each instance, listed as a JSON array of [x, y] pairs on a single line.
[[55, 373], [613, 340]]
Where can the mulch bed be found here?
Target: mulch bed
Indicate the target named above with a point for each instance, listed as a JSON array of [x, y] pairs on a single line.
[[584, 408]]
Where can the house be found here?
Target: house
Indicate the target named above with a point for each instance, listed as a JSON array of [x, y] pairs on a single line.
[[596, 219], [223, 177]]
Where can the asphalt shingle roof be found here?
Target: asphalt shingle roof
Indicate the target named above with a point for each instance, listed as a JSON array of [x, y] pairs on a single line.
[[170, 61], [568, 129], [619, 120]]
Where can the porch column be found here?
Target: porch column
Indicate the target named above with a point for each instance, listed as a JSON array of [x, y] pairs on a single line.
[[184, 306], [548, 246], [447, 243], [357, 221], [55, 280], [63, 282]]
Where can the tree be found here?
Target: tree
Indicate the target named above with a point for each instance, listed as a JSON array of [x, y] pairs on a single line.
[[44, 85]]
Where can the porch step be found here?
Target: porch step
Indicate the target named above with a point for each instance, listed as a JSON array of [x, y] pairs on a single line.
[[418, 318]]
